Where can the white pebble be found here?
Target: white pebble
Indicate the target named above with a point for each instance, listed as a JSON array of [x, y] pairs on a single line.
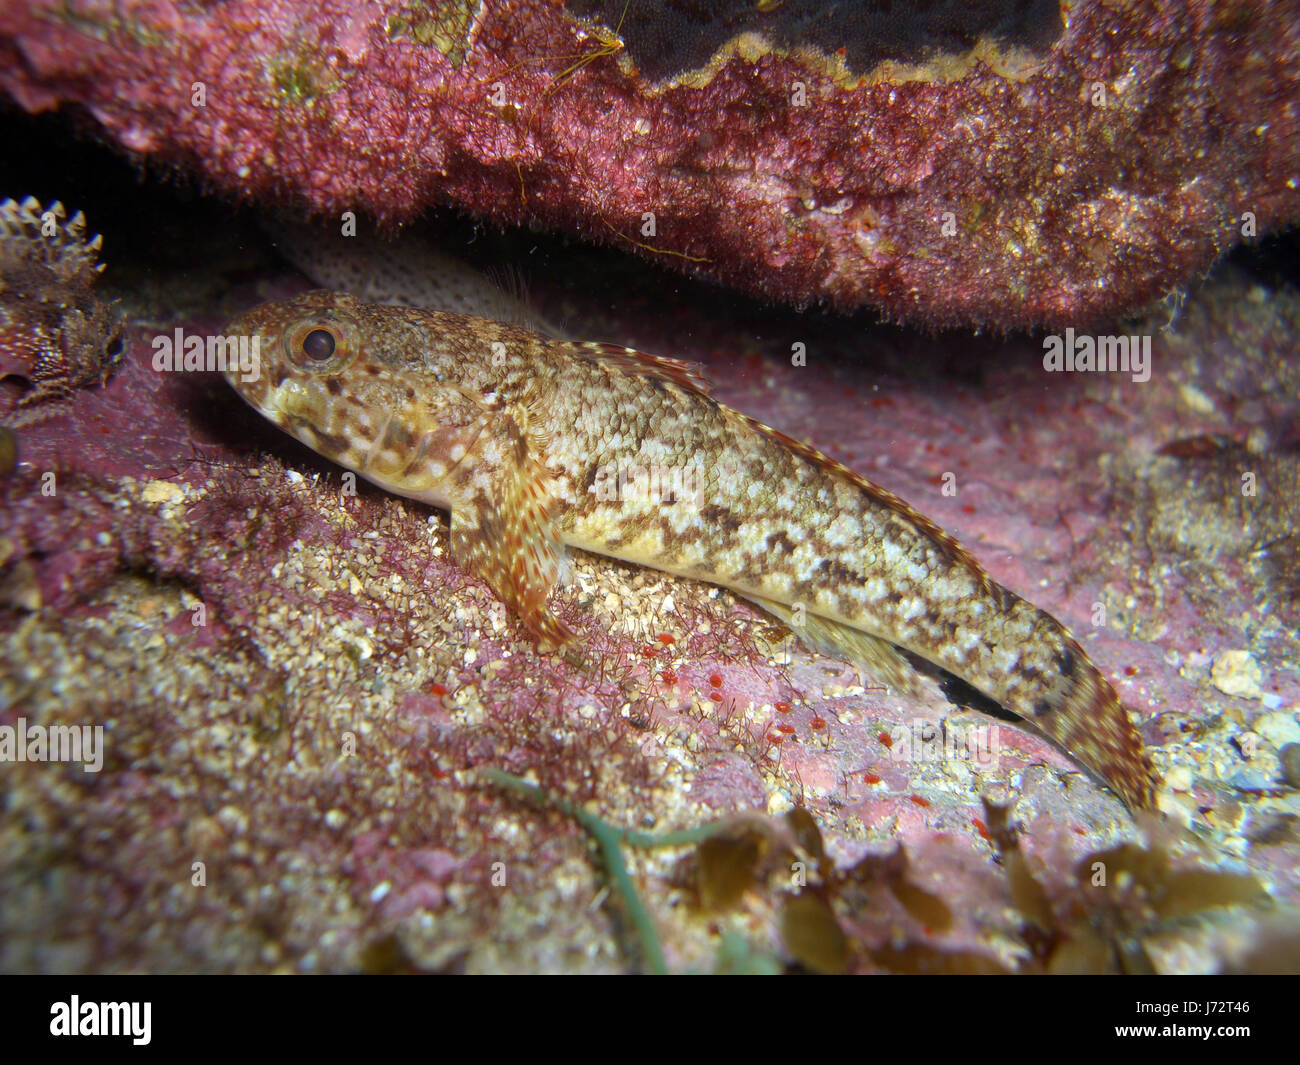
[[1237, 673]]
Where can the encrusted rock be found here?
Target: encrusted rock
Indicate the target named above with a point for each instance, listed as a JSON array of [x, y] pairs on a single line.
[[1015, 164]]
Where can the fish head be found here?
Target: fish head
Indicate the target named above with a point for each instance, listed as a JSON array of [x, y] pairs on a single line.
[[363, 385]]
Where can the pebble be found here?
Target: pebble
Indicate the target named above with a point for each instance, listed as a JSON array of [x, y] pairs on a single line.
[[1279, 728], [1196, 399], [1248, 744], [778, 802], [1250, 780], [162, 492], [1237, 673], [1291, 765]]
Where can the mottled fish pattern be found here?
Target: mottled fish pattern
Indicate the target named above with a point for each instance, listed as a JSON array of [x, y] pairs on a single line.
[[56, 334], [536, 444], [402, 272]]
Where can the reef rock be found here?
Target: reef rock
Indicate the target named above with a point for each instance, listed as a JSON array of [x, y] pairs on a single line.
[[1010, 162]]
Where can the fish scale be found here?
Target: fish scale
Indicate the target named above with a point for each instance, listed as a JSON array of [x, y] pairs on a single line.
[[536, 444]]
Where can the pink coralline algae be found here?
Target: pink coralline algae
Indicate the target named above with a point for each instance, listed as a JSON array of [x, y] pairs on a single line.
[[1013, 164]]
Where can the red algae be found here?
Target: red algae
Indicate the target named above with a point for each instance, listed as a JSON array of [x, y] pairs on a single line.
[[1090, 167]]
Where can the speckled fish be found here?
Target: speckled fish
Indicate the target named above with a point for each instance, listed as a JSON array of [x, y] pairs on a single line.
[[55, 332], [405, 272], [536, 444]]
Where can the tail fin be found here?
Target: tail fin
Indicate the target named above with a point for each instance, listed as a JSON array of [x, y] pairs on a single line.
[[1086, 718]]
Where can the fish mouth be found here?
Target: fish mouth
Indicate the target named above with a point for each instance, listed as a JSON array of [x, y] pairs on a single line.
[[281, 397], [292, 406], [258, 386]]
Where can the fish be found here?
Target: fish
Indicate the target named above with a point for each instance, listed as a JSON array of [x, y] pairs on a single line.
[[410, 271], [56, 334], [536, 446]]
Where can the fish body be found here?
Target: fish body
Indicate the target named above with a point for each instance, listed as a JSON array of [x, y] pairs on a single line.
[[535, 445], [407, 271]]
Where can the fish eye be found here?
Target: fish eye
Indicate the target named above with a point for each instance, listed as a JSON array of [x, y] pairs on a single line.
[[318, 345]]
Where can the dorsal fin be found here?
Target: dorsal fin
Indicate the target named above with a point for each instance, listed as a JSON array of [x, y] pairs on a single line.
[[951, 547], [685, 375], [690, 377], [67, 251]]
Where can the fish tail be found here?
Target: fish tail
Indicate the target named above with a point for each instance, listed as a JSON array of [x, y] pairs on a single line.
[[1063, 695]]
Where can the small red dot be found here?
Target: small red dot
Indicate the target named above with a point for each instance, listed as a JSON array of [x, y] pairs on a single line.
[[715, 680], [669, 676], [981, 828], [774, 737], [870, 778], [666, 638], [886, 739], [787, 729], [920, 800], [782, 708], [818, 723], [438, 689]]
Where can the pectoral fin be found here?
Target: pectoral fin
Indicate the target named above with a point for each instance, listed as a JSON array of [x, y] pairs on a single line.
[[503, 528]]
